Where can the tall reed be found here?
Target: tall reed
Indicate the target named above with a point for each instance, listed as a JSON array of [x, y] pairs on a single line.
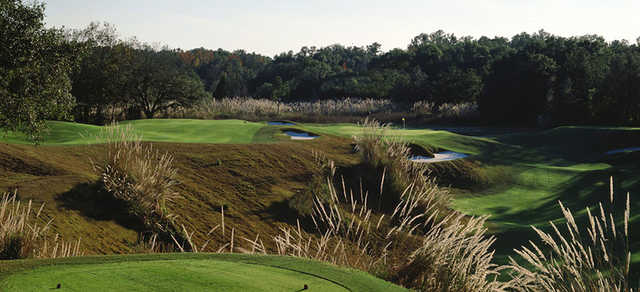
[[455, 255], [390, 156], [140, 176], [23, 232], [595, 258]]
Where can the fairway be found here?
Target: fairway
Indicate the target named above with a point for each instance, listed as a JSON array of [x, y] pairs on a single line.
[[189, 272], [174, 130], [531, 172]]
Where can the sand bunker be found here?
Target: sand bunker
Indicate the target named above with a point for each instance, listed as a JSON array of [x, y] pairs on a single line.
[[631, 149], [437, 157], [280, 123], [299, 135]]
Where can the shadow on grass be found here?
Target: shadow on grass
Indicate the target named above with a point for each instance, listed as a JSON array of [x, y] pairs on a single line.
[[95, 203]]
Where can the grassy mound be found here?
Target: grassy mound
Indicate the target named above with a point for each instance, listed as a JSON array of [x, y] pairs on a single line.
[[250, 181], [185, 272]]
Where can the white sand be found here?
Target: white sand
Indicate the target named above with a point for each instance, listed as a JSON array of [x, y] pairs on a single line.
[[442, 156], [622, 150], [300, 135]]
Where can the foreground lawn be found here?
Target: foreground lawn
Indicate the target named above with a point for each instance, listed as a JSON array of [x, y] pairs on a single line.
[[185, 272]]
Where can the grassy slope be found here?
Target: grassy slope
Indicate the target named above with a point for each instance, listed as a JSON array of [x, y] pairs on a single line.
[[185, 272], [254, 182]]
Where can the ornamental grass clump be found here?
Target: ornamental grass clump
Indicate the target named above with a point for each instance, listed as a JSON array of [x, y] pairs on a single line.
[[140, 176], [410, 246], [455, 255], [390, 156], [595, 258], [18, 232], [23, 233]]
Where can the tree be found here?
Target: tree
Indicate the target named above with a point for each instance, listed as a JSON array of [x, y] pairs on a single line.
[[34, 67], [160, 81], [221, 88], [99, 82], [519, 89]]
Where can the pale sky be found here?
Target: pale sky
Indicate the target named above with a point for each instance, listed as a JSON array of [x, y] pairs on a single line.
[[272, 27]]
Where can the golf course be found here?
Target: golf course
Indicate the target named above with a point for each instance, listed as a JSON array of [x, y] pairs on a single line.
[[250, 168]]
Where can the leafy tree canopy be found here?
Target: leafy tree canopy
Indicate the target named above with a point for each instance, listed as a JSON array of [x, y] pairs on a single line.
[[34, 66]]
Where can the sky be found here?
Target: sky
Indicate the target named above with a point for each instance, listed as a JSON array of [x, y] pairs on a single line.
[[276, 26]]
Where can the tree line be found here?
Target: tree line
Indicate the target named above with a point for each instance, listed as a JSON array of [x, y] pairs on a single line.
[[519, 80], [94, 75]]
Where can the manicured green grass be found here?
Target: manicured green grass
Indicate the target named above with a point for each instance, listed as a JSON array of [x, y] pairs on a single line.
[[176, 130], [185, 272], [440, 139]]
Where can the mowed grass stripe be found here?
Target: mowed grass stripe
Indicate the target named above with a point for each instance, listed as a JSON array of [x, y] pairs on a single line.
[[187, 272]]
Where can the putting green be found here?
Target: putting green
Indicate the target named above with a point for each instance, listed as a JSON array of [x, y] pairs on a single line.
[[188, 272]]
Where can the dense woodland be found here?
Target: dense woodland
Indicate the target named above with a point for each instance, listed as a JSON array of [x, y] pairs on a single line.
[[525, 80], [519, 80]]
